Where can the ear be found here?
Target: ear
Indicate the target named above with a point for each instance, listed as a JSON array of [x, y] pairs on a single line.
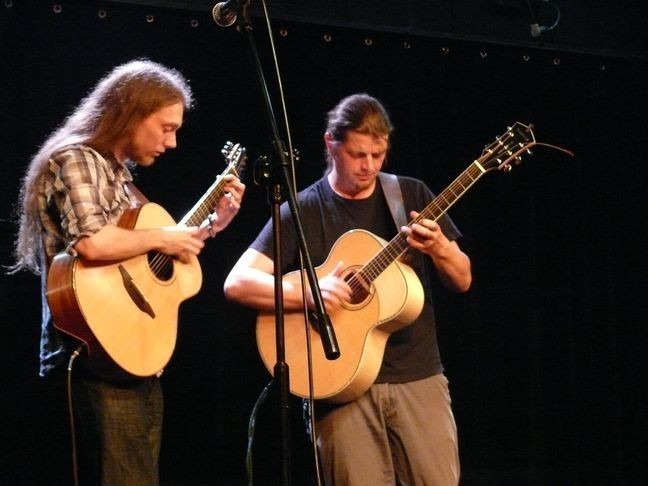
[[328, 140]]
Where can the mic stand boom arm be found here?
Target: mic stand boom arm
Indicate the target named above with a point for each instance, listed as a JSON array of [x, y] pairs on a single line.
[[278, 178]]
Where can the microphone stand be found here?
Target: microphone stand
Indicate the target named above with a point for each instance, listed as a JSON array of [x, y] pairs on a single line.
[[275, 176]]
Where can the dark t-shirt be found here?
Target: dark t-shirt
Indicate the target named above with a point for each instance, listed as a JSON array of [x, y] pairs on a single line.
[[412, 352]]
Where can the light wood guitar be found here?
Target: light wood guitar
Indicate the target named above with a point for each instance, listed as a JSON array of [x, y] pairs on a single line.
[[387, 294], [126, 312]]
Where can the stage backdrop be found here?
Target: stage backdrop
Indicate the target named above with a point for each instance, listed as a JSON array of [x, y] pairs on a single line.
[[545, 354]]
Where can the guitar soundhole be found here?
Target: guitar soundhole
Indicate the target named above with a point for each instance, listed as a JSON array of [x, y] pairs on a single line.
[[360, 289], [359, 296], [161, 265]]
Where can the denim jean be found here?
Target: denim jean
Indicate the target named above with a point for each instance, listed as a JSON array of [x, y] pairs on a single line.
[[119, 429]]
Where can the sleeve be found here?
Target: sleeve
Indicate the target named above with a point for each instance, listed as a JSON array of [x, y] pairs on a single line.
[[290, 250], [264, 242], [78, 195]]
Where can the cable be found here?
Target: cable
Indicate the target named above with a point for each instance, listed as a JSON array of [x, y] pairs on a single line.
[[75, 464], [309, 418], [249, 466]]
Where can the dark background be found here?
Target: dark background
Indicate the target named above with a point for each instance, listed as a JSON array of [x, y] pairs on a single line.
[[546, 352]]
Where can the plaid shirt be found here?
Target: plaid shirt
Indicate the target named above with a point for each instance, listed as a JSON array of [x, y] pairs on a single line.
[[81, 192]]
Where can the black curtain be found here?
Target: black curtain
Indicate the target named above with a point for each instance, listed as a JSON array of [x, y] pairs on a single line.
[[545, 354]]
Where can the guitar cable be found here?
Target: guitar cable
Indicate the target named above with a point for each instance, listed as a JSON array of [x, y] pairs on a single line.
[[249, 463], [75, 465], [307, 404]]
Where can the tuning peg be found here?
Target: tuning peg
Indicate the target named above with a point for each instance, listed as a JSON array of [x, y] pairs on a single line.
[[227, 147]]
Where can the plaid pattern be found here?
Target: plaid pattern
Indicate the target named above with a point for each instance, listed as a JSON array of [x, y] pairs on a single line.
[[80, 193]]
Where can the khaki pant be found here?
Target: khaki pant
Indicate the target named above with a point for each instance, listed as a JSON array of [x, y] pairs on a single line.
[[395, 434]]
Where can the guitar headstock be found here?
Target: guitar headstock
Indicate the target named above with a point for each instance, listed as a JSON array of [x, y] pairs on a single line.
[[508, 148], [235, 156]]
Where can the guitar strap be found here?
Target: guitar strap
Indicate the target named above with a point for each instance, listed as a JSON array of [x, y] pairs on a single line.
[[134, 194], [391, 189]]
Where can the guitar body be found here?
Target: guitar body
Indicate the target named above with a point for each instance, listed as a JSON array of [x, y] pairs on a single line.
[[361, 328], [100, 303]]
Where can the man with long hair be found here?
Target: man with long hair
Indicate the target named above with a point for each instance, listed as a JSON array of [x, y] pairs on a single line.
[[74, 192], [401, 430]]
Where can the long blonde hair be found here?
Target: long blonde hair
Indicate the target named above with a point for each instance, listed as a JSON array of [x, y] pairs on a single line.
[[108, 114]]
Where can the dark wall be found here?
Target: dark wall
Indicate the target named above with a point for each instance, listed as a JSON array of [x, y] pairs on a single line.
[[545, 354], [612, 28]]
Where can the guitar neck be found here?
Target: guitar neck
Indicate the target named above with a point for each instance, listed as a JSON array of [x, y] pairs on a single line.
[[206, 203], [439, 205]]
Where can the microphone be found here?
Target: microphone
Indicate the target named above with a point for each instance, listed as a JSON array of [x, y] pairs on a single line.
[[225, 13]]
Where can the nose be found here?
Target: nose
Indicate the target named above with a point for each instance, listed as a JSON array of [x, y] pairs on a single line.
[[170, 140], [369, 163]]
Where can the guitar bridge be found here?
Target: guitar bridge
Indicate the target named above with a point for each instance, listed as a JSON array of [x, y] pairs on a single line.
[[135, 293]]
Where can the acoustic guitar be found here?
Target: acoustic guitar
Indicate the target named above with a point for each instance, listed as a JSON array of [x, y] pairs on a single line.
[[126, 312]]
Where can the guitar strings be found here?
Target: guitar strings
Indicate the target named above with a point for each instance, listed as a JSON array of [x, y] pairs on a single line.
[[162, 264], [398, 245]]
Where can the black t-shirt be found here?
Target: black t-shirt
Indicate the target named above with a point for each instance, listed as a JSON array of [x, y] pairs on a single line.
[[412, 352]]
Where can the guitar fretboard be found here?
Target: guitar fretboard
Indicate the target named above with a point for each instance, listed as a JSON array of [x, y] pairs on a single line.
[[205, 205], [439, 205]]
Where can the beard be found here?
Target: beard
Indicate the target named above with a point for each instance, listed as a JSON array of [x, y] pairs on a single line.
[[135, 154]]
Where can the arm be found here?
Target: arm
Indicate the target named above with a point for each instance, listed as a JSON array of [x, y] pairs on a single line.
[[114, 243], [452, 264], [251, 283]]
